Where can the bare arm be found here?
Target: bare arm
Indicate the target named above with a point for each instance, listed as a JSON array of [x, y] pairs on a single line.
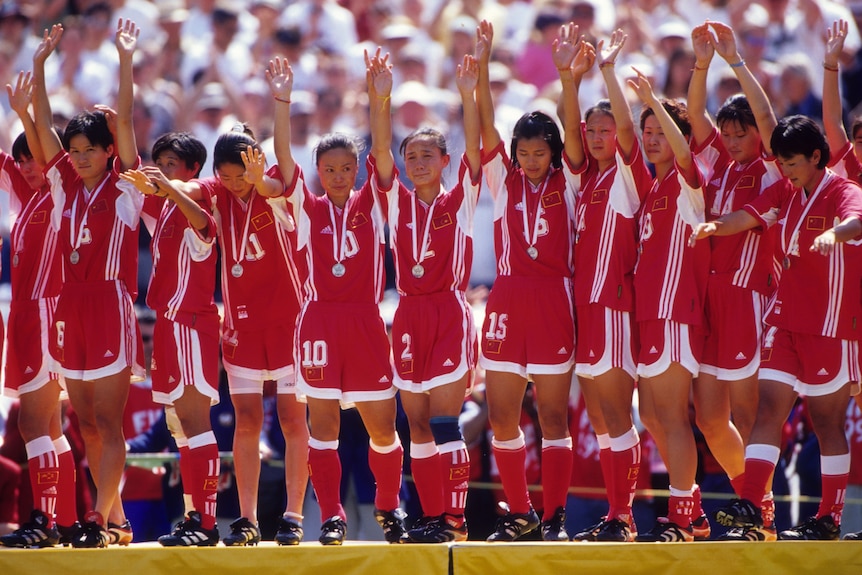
[[150, 180], [466, 79], [378, 73], [570, 53], [702, 44], [625, 124], [833, 120], [484, 41], [126, 41], [42, 117], [255, 173], [726, 225], [279, 75], [847, 230], [19, 100]]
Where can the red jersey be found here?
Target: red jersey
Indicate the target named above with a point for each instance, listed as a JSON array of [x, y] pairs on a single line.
[[440, 236], [845, 163], [343, 248], [184, 264], [259, 278], [853, 430], [141, 412], [745, 259], [37, 271], [818, 295], [670, 277], [606, 240], [98, 229], [531, 221]]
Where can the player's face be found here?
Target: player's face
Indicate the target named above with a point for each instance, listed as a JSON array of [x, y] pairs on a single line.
[[424, 162], [656, 146], [800, 170], [741, 142], [31, 171], [601, 134], [337, 169], [89, 160], [232, 177], [534, 156], [173, 167]]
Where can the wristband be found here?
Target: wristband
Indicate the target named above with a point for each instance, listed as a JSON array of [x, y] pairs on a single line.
[[739, 64], [277, 99], [830, 68]]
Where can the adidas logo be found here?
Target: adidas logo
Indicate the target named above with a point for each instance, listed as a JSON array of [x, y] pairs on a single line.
[[653, 350], [67, 213], [519, 207], [448, 363], [562, 351], [29, 370], [741, 356], [51, 490], [326, 230], [171, 379], [409, 225], [384, 379], [109, 353], [592, 353], [822, 371]]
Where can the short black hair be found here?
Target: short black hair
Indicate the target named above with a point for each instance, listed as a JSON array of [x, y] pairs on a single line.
[[21, 149], [91, 125], [538, 125], [736, 109], [678, 113], [799, 135], [230, 146], [187, 148], [335, 141]]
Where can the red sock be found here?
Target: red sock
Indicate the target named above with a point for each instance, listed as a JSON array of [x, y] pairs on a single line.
[[834, 487], [737, 483], [186, 472], [556, 476], [680, 510], [757, 474], [513, 475], [324, 467], [203, 467], [44, 475], [455, 467], [626, 466], [767, 510], [606, 462], [697, 510], [386, 468], [67, 509], [427, 476]]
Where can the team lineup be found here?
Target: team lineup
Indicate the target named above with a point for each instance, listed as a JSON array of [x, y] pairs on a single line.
[[690, 258]]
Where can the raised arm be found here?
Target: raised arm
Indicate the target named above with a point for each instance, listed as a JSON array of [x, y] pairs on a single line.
[[279, 75], [484, 41], [255, 173], [42, 117], [702, 43], [466, 79], [567, 47], [833, 118], [126, 40], [607, 57], [378, 74], [150, 180], [725, 46], [19, 100]]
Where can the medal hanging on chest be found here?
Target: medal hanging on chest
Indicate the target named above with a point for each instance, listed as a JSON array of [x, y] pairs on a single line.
[[420, 252], [338, 243], [529, 237], [238, 253], [76, 232]]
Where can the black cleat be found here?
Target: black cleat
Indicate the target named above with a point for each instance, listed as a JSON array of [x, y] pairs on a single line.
[[242, 532], [441, 529], [615, 530], [289, 531], [392, 523], [34, 533], [333, 531], [813, 529], [92, 535], [589, 534], [554, 529], [511, 526], [666, 531], [190, 533], [739, 513]]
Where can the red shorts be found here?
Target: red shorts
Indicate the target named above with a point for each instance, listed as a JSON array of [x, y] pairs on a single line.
[[343, 353], [29, 366], [606, 341], [433, 340], [261, 355], [184, 357], [731, 351], [529, 326], [663, 342], [95, 332], [812, 364]]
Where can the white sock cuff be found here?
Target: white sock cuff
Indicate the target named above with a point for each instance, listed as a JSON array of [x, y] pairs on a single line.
[[604, 440], [39, 446], [182, 441], [763, 452], [674, 492], [835, 464], [625, 441], [62, 445], [384, 449], [202, 440], [511, 444], [452, 447], [565, 443], [322, 445], [423, 450]]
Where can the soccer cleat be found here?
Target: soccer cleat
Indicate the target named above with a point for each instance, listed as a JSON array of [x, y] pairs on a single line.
[[813, 529], [242, 532], [750, 534], [700, 528], [392, 523], [739, 513], [190, 533], [589, 534], [853, 536], [33, 533], [120, 534], [440, 529], [666, 531], [554, 529], [289, 531], [333, 531], [511, 526], [68, 534], [615, 530], [92, 535]]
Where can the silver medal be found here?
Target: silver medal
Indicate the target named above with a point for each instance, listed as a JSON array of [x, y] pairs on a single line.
[[74, 257], [15, 261], [532, 252], [418, 271], [338, 270], [236, 270]]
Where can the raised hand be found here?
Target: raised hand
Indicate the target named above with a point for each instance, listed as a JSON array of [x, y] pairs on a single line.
[[608, 54], [725, 42], [21, 95], [50, 39], [378, 72], [643, 88], [255, 165], [127, 37], [585, 57], [279, 75], [565, 47], [703, 44], [467, 74], [110, 118], [141, 181], [835, 37], [484, 41]]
